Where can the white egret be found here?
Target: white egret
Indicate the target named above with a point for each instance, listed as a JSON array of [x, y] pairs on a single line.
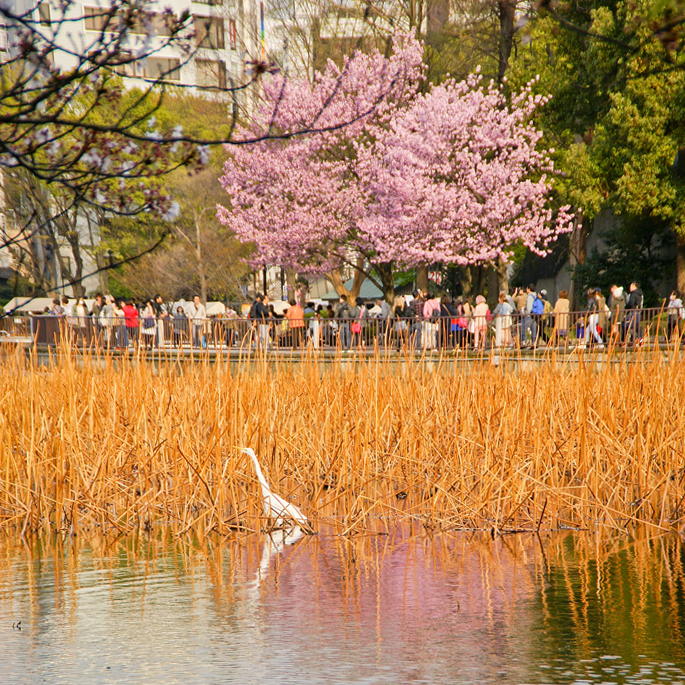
[[276, 507]]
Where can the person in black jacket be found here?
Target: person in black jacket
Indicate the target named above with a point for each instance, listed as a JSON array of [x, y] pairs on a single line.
[[261, 316], [633, 314], [447, 313]]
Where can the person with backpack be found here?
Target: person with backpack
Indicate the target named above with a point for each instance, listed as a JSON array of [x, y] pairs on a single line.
[[546, 323], [534, 309]]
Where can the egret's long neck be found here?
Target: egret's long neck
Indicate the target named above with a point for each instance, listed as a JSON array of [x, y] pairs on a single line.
[[257, 468]]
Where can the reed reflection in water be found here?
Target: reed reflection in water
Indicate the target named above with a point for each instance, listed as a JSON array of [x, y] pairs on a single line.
[[405, 608]]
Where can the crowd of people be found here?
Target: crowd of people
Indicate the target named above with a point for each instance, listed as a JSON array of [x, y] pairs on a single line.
[[120, 323], [525, 318]]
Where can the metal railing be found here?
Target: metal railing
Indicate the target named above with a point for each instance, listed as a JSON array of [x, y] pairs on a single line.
[[454, 331]]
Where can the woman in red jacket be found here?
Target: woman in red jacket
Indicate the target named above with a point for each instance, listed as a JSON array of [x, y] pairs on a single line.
[[131, 317]]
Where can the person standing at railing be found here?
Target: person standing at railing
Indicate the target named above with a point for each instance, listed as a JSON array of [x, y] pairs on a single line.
[[81, 311], [197, 318], [402, 316], [180, 326], [562, 307], [676, 313], [480, 322], [161, 313], [343, 314], [633, 307], [502, 315], [530, 320], [56, 309], [315, 326], [447, 315], [603, 313], [545, 321], [357, 314], [230, 324], [592, 319], [98, 304], [417, 333], [120, 330], [107, 320], [131, 320], [150, 324], [295, 316], [330, 325], [385, 321], [617, 307], [519, 299], [431, 317]]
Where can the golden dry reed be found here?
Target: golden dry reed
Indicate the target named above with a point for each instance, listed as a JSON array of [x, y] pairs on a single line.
[[96, 443]]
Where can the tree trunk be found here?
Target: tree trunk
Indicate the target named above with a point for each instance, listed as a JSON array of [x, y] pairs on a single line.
[[103, 273], [437, 14], [202, 276], [502, 275], [478, 279], [680, 262], [577, 249], [466, 280], [507, 17], [385, 272], [492, 279], [336, 279], [291, 281], [422, 277]]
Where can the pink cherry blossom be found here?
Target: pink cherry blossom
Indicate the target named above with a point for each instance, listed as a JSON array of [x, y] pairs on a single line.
[[455, 175]]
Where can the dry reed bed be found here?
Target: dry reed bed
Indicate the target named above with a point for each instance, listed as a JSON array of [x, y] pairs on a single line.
[[87, 444]]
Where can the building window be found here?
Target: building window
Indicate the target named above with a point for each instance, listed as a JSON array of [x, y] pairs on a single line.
[[97, 18], [210, 73], [44, 13], [232, 34], [102, 19], [164, 68], [209, 32]]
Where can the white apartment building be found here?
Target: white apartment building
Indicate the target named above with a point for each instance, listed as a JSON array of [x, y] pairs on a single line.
[[226, 37]]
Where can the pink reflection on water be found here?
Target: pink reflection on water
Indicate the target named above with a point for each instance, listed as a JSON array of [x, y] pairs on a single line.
[[396, 602]]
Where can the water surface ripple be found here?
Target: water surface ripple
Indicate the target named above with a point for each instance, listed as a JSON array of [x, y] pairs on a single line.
[[400, 608]]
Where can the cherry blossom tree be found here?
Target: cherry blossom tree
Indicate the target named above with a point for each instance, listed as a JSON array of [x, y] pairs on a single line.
[[299, 200], [455, 175], [459, 178]]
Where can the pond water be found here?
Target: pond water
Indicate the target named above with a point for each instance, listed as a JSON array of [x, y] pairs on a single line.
[[403, 608]]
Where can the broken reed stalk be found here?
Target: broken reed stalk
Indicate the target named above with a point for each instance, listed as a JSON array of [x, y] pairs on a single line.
[[96, 443]]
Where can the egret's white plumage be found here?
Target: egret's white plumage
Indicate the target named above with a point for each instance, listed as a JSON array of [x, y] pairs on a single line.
[[275, 507]]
